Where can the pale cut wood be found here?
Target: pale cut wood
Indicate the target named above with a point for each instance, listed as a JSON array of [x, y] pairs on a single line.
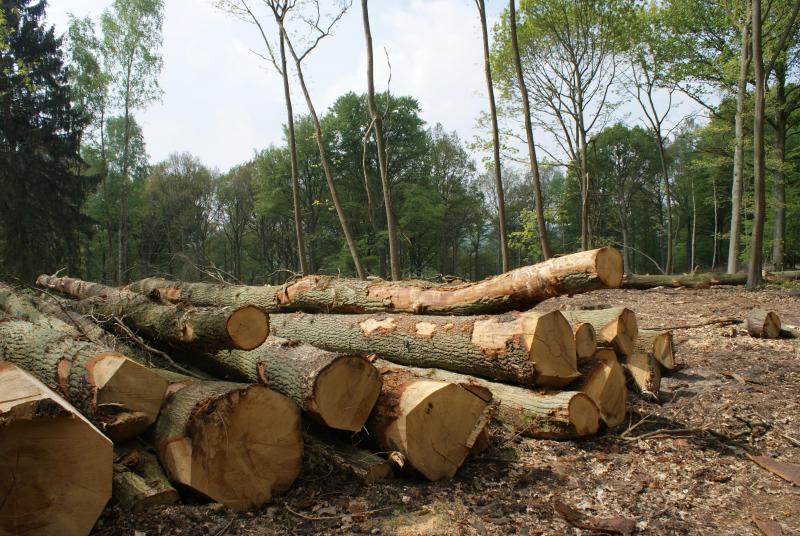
[[139, 480], [432, 424], [55, 466], [585, 339], [551, 415], [518, 289], [763, 324], [659, 345], [604, 381], [645, 373], [615, 326], [359, 463]]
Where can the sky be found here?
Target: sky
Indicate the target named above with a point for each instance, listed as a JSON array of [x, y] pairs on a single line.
[[222, 102]]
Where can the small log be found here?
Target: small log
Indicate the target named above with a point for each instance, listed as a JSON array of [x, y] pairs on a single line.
[[336, 390], [517, 289], [644, 372], [546, 415], [359, 463], [528, 348], [139, 480], [615, 326], [433, 425], [241, 327], [763, 324], [658, 344], [585, 339], [237, 444], [604, 381], [55, 467], [118, 395], [696, 281]]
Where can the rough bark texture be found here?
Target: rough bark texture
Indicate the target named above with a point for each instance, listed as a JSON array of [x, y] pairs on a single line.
[[703, 280], [237, 444], [615, 327], [243, 327], [432, 424], [517, 289], [55, 467], [118, 395], [658, 344], [553, 415], [338, 455], [334, 389], [528, 348], [139, 480], [604, 381], [763, 324], [585, 339]]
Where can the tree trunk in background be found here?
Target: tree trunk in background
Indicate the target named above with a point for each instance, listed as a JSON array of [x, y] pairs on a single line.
[[586, 233], [667, 196], [694, 229], [779, 236], [756, 242], [526, 112], [738, 154], [498, 179]]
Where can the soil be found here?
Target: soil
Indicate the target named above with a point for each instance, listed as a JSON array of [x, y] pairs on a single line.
[[677, 466]]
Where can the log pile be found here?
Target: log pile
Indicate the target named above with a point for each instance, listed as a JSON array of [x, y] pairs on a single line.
[[413, 370]]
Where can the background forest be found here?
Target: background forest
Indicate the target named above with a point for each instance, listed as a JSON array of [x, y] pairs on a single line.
[[673, 191]]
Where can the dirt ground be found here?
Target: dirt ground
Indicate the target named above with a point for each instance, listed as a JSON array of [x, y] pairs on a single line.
[[733, 395]]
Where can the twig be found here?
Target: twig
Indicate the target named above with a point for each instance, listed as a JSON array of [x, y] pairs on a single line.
[[326, 518], [152, 350], [720, 321], [224, 529]]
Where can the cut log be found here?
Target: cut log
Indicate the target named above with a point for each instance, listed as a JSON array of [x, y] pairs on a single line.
[[615, 326], [432, 424], [763, 324], [120, 396], [241, 327], [55, 467], [139, 480], [548, 415], [517, 289], [237, 444], [699, 281], [604, 381], [335, 454], [585, 339], [336, 390], [658, 344], [644, 372], [528, 348]]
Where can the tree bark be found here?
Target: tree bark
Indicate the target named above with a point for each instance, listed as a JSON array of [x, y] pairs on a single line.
[[553, 415], [604, 382], [659, 345], [139, 480], [756, 241], [763, 324], [779, 187], [518, 289], [432, 424], [527, 348], [615, 326], [738, 154], [119, 396], [699, 280], [55, 467], [243, 327], [338, 455], [237, 444], [526, 115]]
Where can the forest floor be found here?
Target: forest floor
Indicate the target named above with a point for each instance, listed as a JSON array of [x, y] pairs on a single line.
[[682, 480]]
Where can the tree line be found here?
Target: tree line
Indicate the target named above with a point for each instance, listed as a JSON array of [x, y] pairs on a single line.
[[367, 188]]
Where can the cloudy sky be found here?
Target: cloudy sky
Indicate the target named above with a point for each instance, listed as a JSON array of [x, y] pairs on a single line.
[[221, 102]]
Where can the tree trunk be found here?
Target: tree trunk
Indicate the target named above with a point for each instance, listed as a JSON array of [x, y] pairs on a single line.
[[432, 424], [237, 444], [692, 264], [756, 241], [738, 154], [585, 340], [700, 280], [553, 415], [335, 390], [667, 196], [55, 467], [391, 223], [139, 480], [658, 344], [527, 348], [604, 381], [498, 178], [763, 324], [615, 326], [779, 187], [338, 455], [518, 289], [118, 395], [586, 232], [526, 113], [244, 327]]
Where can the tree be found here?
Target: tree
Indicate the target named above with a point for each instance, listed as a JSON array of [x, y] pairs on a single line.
[[132, 42], [40, 132]]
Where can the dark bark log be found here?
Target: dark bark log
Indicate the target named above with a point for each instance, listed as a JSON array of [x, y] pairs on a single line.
[[139, 480], [701, 280]]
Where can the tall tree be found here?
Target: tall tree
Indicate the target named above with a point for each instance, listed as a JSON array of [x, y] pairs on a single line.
[[132, 42], [498, 178], [526, 116]]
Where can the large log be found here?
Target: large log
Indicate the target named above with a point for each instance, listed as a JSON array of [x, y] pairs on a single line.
[[239, 327], [528, 348], [604, 381], [237, 444], [335, 454], [336, 390], [432, 424], [551, 415], [118, 395], [699, 281], [139, 480], [615, 326], [763, 324], [658, 344], [55, 467], [517, 289]]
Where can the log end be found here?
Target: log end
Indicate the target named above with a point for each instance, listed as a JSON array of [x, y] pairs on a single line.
[[585, 340], [584, 415], [663, 350], [551, 347], [621, 333], [605, 384], [763, 324], [345, 393], [645, 372], [248, 327], [609, 267]]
